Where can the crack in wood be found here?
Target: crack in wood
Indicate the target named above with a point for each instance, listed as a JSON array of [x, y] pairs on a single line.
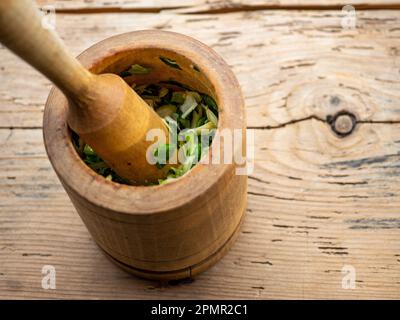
[[314, 117], [335, 252], [36, 255], [225, 8], [348, 183], [272, 196], [318, 217], [121, 9], [268, 127], [232, 8], [284, 124], [262, 262], [258, 179], [20, 127]]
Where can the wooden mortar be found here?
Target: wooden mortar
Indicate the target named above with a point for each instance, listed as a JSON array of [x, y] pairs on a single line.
[[164, 232]]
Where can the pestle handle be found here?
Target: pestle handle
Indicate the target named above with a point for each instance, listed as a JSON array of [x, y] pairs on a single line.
[[22, 32]]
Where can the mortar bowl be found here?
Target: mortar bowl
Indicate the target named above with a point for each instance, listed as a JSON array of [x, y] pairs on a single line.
[[170, 231]]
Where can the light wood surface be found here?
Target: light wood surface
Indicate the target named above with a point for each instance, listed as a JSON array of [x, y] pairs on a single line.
[[316, 202]]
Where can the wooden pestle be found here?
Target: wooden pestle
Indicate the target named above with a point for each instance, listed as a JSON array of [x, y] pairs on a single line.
[[103, 110]]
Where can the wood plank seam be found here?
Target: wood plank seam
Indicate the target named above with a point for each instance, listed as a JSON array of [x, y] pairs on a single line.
[[251, 8], [269, 127], [215, 7]]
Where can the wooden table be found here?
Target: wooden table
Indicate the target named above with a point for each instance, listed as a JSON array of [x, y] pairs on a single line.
[[320, 205]]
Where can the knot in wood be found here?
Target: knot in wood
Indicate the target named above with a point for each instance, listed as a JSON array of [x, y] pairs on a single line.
[[343, 123]]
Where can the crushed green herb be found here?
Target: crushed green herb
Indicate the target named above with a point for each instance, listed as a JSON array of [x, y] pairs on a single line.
[[169, 62], [210, 102], [135, 69], [188, 113], [138, 69]]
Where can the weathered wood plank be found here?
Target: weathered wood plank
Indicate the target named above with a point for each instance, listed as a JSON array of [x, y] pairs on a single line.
[[208, 5], [290, 64], [311, 211], [317, 202]]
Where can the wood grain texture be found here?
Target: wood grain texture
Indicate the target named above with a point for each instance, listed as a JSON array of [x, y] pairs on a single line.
[[316, 202], [201, 6]]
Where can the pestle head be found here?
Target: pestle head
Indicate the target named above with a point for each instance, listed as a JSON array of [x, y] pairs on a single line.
[[114, 121]]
